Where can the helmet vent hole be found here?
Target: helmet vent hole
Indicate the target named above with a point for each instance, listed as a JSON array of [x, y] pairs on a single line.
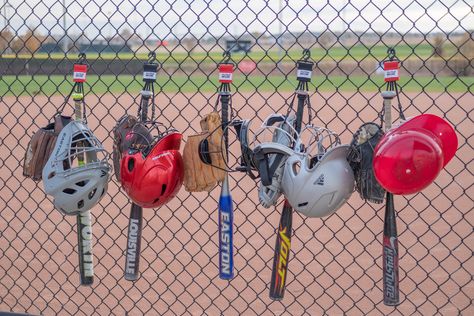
[[313, 161], [82, 183], [52, 174], [131, 164], [302, 204], [80, 204], [156, 200], [296, 168], [163, 189], [103, 191], [91, 194], [69, 191]]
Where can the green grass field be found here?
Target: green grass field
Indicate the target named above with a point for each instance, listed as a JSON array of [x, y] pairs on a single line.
[[356, 52], [44, 85]]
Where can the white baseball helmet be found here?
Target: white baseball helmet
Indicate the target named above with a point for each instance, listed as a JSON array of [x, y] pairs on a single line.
[[75, 185], [318, 185], [282, 131]]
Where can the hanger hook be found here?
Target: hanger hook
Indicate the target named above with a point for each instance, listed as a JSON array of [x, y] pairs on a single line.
[[306, 54], [81, 58], [227, 56], [391, 53], [151, 57]]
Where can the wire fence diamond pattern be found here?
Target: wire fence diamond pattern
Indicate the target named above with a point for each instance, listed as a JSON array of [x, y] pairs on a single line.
[[335, 263]]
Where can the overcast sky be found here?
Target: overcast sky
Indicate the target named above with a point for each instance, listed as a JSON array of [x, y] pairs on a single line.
[[216, 17]]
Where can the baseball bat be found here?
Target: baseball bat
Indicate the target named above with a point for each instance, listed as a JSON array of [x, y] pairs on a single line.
[[84, 219], [135, 224], [391, 295], [226, 220], [281, 255], [226, 260], [134, 237]]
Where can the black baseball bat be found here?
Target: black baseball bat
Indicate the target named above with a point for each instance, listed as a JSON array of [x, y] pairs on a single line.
[[281, 255], [134, 237], [390, 255], [391, 295], [135, 223]]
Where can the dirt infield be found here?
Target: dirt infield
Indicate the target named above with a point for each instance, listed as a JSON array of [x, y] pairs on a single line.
[[335, 264]]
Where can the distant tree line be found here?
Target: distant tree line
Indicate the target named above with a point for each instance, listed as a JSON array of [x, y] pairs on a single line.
[[127, 40]]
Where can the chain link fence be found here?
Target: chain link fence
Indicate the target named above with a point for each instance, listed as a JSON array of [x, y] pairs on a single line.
[[336, 264]]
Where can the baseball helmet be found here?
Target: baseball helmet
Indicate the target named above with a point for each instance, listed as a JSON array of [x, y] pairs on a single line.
[[407, 161], [318, 185], [77, 172], [439, 127], [153, 175]]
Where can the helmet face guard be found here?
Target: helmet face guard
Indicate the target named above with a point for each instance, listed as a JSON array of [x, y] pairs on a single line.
[[407, 161], [276, 129], [260, 155], [153, 176], [77, 172]]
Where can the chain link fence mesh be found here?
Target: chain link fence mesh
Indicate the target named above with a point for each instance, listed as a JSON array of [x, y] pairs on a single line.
[[335, 266]]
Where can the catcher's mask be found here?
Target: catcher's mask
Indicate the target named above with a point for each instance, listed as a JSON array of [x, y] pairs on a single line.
[[77, 172], [407, 161], [152, 175]]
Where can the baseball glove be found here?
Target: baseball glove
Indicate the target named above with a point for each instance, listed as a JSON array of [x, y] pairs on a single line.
[[200, 176], [128, 133], [40, 147], [360, 159]]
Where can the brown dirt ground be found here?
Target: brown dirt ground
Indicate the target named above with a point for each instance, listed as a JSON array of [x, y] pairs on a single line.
[[335, 263]]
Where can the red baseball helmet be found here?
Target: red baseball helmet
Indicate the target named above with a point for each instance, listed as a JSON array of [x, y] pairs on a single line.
[[153, 179], [406, 162], [436, 125]]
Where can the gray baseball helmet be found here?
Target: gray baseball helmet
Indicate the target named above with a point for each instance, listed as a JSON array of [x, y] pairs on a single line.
[[318, 185]]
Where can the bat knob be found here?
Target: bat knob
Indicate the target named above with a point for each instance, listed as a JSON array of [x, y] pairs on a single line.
[[388, 94]]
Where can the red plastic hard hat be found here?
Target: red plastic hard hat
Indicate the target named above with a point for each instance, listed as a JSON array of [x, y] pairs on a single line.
[[152, 180], [406, 162], [439, 127]]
